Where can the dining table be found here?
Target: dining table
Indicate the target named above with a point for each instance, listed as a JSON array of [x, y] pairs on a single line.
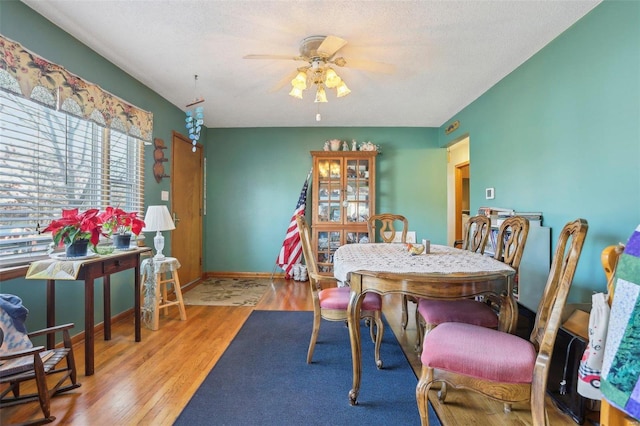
[[442, 273]]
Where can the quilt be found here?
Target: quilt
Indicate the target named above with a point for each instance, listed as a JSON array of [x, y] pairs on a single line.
[[620, 382]]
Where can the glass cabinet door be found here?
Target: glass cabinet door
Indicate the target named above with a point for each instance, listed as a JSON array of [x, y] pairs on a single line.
[[357, 190], [329, 191], [357, 237], [328, 243]]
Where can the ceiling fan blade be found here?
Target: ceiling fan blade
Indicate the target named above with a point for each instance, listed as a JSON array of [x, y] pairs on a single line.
[[286, 79], [330, 46], [365, 65], [294, 58]]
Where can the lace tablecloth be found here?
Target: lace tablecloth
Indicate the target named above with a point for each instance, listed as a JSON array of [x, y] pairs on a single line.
[[394, 258]]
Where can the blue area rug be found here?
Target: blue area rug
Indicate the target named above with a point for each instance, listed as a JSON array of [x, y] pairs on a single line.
[[263, 378]]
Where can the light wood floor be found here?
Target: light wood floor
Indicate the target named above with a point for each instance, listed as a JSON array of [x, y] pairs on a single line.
[[150, 382]]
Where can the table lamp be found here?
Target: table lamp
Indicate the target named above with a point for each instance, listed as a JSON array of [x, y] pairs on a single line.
[[158, 219]]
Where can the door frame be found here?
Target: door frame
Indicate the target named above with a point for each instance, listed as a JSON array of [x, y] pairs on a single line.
[[457, 153]]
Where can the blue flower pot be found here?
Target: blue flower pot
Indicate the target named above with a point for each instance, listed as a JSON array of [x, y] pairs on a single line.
[[122, 241], [77, 249]]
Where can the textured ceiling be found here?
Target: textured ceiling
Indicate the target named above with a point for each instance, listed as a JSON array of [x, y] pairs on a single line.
[[445, 53]]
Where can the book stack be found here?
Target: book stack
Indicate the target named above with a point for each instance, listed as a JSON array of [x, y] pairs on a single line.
[[498, 215]]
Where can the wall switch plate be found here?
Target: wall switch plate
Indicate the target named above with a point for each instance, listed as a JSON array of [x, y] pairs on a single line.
[[489, 193], [164, 195]]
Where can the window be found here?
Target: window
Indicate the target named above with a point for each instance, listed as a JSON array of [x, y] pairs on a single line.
[[51, 159]]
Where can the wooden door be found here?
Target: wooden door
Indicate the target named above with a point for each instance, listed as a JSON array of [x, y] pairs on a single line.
[[187, 207]]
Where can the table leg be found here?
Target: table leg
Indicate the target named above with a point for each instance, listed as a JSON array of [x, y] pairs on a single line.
[[51, 312], [137, 311], [353, 319], [88, 326], [106, 296]]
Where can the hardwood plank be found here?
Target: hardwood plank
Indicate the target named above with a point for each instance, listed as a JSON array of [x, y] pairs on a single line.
[[150, 382]]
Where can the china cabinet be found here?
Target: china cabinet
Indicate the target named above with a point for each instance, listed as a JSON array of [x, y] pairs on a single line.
[[343, 198]]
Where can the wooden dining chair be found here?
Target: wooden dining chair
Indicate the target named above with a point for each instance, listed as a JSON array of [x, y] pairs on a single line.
[[382, 227], [331, 303], [511, 240], [476, 234], [497, 364]]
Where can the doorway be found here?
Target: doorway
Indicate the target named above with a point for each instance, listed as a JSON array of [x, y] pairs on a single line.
[[458, 184], [462, 198], [187, 206]]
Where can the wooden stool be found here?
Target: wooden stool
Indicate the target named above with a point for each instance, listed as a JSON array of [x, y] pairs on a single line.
[[165, 272]]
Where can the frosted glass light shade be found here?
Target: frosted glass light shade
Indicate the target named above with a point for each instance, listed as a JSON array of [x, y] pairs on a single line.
[[331, 79], [342, 90], [321, 95], [296, 93], [300, 81]]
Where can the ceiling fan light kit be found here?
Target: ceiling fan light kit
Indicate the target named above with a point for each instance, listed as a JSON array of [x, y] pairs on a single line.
[[319, 53]]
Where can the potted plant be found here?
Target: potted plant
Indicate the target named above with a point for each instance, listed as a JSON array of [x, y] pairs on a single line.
[[75, 231], [119, 225]]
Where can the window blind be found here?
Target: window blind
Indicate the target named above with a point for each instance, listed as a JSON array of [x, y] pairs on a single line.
[[52, 160]]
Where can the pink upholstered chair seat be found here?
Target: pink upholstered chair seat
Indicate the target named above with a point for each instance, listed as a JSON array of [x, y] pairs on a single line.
[[338, 298], [467, 311], [479, 352]]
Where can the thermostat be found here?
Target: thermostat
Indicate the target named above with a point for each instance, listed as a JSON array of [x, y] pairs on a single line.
[[489, 193]]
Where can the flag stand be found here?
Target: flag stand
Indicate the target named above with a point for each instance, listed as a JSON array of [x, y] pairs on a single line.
[[291, 250]]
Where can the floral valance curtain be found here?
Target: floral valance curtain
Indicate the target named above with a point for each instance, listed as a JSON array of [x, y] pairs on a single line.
[[27, 74]]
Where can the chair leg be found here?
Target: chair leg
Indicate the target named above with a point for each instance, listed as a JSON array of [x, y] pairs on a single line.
[[178, 291], [155, 321], [422, 394], [405, 313], [419, 331], [442, 393], [379, 336], [314, 336], [71, 361], [372, 331], [163, 289], [43, 390]]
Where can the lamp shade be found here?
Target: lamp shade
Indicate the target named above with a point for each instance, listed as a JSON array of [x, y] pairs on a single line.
[[158, 218]]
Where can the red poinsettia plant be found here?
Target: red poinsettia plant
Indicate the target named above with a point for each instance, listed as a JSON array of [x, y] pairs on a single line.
[[74, 226], [116, 221]]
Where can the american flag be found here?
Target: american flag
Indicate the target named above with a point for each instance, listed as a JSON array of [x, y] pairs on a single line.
[[291, 250]]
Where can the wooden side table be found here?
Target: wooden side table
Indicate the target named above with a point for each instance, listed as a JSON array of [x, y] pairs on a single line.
[[157, 275]]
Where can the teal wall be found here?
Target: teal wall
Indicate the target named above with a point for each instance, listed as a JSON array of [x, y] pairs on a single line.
[[20, 23], [561, 135], [254, 177]]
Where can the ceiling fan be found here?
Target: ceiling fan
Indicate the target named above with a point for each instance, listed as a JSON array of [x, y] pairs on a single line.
[[319, 52]]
